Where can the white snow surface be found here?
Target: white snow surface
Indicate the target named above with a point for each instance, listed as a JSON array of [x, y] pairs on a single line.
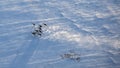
[[91, 28]]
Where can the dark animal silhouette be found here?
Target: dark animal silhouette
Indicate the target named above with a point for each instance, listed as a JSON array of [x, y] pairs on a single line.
[[40, 25], [45, 24], [36, 30], [40, 31], [33, 33], [33, 23], [40, 34]]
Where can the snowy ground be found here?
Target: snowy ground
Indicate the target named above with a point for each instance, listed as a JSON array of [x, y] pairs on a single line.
[[91, 28]]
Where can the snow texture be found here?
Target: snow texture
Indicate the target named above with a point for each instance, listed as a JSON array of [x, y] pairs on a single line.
[[90, 28]]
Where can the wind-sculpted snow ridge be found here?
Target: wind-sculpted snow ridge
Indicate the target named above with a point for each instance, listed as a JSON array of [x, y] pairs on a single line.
[[89, 28]]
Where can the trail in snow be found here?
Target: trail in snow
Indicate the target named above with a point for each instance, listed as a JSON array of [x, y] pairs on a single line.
[[90, 28]]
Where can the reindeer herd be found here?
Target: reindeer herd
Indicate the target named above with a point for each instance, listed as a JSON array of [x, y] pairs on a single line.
[[38, 31]]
